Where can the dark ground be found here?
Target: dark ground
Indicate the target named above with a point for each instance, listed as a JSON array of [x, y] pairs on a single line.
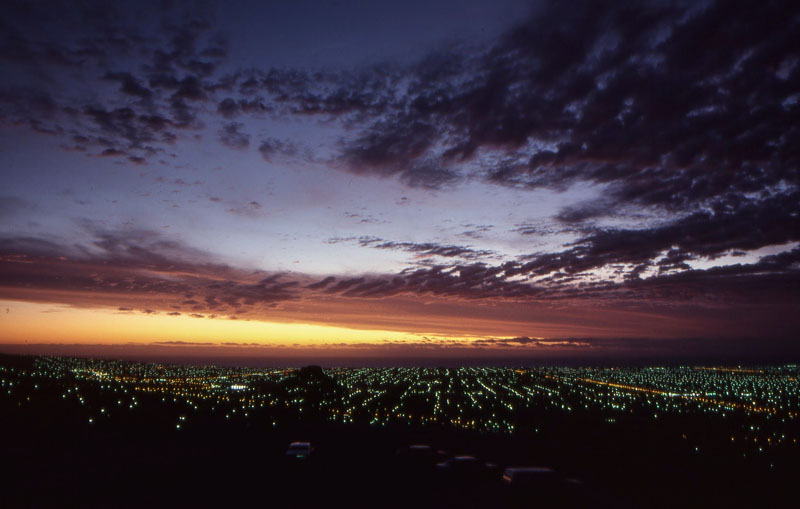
[[54, 458]]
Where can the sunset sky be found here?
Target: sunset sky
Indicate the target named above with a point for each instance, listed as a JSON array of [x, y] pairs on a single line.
[[452, 178]]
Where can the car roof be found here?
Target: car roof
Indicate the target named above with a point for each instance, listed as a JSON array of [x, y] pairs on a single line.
[[529, 470]]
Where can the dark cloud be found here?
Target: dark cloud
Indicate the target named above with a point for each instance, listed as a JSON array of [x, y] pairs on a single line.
[[607, 95], [423, 249], [134, 264], [148, 271], [644, 348], [183, 116], [331, 94], [683, 111], [773, 279], [581, 212], [476, 231], [625, 106], [230, 108], [744, 224], [473, 281], [112, 152], [388, 143], [272, 147], [182, 343], [359, 218], [589, 92], [321, 283], [123, 132], [189, 88], [428, 174], [146, 263], [518, 341], [129, 84], [249, 209], [231, 136], [161, 71]]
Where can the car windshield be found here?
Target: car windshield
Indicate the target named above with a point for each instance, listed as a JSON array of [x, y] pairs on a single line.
[[299, 448]]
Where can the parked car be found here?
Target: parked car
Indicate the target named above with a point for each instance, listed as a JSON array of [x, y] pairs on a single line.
[[544, 486], [416, 450], [465, 466], [519, 476], [417, 454], [299, 450]]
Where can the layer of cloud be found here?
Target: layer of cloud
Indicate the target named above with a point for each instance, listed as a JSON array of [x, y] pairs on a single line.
[[137, 266], [148, 263], [604, 94], [419, 249], [688, 110], [491, 351]]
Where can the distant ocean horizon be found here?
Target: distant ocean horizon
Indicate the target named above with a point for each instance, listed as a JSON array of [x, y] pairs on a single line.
[[328, 359]]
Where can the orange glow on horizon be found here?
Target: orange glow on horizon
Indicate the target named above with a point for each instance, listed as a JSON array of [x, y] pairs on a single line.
[[26, 322]]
